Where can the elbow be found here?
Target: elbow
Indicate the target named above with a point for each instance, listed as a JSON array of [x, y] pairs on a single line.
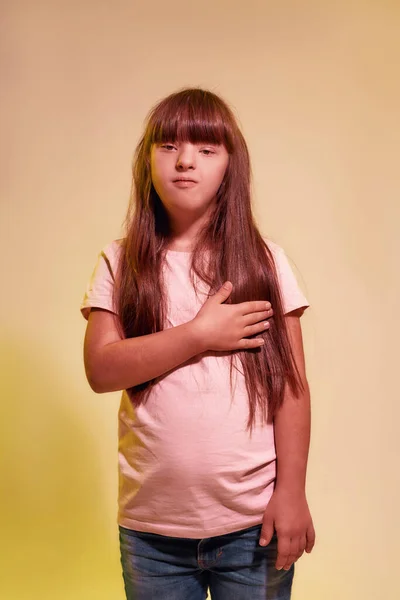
[[96, 387], [100, 383], [96, 379], [96, 375], [96, 383], [103, 376]]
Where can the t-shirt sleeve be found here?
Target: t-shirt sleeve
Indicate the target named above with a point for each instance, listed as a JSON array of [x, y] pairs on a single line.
[[292, 296], [99, 290]]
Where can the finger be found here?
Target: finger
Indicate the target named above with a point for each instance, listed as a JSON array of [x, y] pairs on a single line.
[[300, 554], [294, 551], [302, 546], [247, 344], [254, 306], [254, 329], [267, 532], [303, 543], [256, 317], [223, 293], [290, 561], [283, 551], [310, 539]]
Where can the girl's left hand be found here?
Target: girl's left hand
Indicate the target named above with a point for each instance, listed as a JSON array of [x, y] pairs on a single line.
[[288, 514]]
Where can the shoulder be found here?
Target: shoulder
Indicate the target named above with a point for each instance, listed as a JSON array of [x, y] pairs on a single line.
[[114, 248], [112, 252], [276, 250], [293, 298]]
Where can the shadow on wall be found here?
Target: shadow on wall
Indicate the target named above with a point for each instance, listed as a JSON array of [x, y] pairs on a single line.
[[56, 542]]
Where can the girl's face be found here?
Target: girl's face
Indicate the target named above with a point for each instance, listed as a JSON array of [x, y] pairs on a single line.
[[187, 176]]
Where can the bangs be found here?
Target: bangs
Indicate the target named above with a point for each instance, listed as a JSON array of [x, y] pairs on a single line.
[[195, 116]]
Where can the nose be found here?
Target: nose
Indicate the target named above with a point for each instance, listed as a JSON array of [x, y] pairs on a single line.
[[186, 158]]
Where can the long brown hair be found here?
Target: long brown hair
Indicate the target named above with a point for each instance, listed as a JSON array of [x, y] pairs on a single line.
[[231, 240]]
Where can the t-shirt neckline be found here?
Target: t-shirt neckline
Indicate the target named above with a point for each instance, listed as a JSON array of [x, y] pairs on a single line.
[[179, 252]]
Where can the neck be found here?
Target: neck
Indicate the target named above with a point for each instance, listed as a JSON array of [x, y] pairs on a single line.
[[185, 232]]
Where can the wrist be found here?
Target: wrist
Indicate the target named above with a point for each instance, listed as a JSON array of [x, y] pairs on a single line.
[[290, 488], [197, 336]]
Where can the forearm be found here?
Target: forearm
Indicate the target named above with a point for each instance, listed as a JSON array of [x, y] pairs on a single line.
[[129, 362], [292, 426]]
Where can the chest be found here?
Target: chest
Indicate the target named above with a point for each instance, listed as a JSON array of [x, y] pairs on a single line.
[[183, 299]]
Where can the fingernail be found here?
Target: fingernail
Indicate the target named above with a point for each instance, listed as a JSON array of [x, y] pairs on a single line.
[[263, 542]]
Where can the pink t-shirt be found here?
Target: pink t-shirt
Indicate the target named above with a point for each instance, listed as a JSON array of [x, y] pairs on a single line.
[[187, 466]]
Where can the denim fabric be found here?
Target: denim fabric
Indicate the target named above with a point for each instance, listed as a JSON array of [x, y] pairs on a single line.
[[232, 567]]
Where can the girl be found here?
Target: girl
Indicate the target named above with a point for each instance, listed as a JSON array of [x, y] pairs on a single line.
[[214, 418]]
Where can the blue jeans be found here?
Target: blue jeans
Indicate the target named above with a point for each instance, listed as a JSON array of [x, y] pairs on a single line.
[[232, 566]]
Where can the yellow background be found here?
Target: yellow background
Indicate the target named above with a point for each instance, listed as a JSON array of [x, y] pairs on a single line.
[[315, 85]]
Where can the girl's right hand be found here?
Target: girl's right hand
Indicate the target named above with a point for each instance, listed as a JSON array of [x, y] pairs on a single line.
[[224, 327]]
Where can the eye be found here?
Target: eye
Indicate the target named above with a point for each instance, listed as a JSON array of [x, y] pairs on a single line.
[[207, 151], [167, 146]]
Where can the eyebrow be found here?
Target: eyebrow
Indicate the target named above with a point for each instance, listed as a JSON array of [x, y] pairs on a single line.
[[176, 142]]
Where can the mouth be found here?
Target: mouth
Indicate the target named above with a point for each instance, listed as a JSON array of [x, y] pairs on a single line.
[[184, 179], [184, 183]]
